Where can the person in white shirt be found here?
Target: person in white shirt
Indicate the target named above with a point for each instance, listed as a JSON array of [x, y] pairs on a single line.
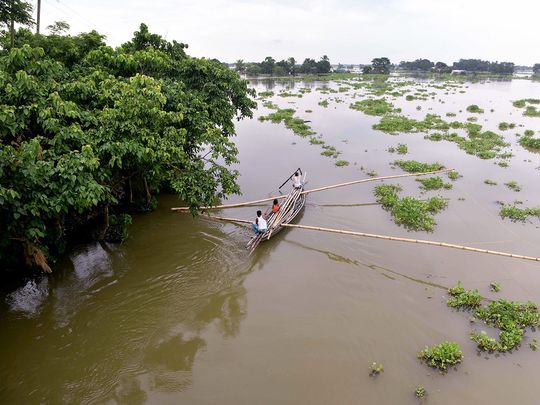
[[297, 180], [260, 225]]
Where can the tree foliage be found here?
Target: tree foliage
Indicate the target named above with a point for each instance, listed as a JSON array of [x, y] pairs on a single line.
[[477, 65], [423, 65], [378, 66], [87, 130], [286, 67]]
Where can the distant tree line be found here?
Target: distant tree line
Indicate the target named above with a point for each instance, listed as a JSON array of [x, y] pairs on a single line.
[[269, 66], [536, 69], [469, 65]]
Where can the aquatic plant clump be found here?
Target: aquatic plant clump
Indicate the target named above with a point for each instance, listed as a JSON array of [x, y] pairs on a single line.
[[473, 108], [375, 369], [513, 185], [516, 214], [462, 298], [297, 125], [412, 213], [528, 140], [442, 356], [413, 166], [264, 94], [420, 392], [433, 183], [393, 123], [373, 106]]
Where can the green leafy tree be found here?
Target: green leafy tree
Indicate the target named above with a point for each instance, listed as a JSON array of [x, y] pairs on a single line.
[[240, 66], [86, 141], [323, 65], [267, 65], [380, 66], [536, 69], [15, 11], [58, 27]]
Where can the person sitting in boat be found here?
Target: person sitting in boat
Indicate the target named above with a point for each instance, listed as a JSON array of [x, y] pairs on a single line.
[[297, 180], [260, 225], [275, 206]]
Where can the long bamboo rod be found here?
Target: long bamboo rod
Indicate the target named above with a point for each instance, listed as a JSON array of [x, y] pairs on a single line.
[[349, 183], [395, 238], [243, 204]]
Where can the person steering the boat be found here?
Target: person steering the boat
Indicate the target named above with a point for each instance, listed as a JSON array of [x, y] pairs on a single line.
[[260, 225], [297, 180]]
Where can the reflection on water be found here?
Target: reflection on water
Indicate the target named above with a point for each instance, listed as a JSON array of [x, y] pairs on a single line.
[[29, 298]]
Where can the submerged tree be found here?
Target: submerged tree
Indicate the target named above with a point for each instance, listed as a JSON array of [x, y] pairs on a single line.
[[378, 66], [85, 138]]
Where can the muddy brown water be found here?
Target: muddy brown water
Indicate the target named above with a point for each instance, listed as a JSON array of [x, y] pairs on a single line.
[[180, 313]]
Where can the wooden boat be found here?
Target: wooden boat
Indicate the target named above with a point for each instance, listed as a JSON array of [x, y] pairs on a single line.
[[288, 210]]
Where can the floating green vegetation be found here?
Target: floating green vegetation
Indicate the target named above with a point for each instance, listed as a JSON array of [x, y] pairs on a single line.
[[373, 106], [524, 101], [304, 90], [394, 123], [490, 182], [264, 94], [504, 126], [371, 173], [341, 163], [485, 144], [287, 94], [330, 151], [442, 356], [409, 97], [513, 185], [473, 108], [511, 318], [453, 175], [297, 125], [413, 166], [533, 345], [502, 163], [495, 287], [375, 369], [516, 214], [433, 183], [323, 103], [402, 149], [530, 110], [472, 119], [420, 392], [309, 111], [450, 114], [343, 89], [412, 213], [316, 141], [461, 299], [528, 140], [270, 105]]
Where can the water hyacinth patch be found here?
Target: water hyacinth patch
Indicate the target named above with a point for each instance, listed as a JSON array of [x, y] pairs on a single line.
[[442, 356]]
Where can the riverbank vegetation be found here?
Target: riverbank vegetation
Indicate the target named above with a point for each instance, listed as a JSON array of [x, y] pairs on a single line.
[[90, 133]]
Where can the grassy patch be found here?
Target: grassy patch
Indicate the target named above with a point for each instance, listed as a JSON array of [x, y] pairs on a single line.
[[473, 108], [513, 185], [442, 356], [528, 140], [516, 214], [323, 103], [412, 213], [433, 183], [270, 105], [287, 94], [394, 123], [341, 163], [504, 126], [463, 299], [264, 94], [373, 106], [297, 125], [413, 166]]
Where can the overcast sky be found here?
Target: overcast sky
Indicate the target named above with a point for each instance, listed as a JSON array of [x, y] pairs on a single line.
[[348, 31]]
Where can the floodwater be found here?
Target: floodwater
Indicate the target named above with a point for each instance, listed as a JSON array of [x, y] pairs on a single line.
[[180, 313]]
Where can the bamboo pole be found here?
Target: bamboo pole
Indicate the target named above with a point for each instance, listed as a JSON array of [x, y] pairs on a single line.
[[397, 239], [349, 183], [216, 207], [235, 205]]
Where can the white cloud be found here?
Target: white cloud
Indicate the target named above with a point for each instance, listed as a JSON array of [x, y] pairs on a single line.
[[346, 30]]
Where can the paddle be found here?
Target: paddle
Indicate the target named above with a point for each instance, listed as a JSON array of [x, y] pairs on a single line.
[[288, 178]]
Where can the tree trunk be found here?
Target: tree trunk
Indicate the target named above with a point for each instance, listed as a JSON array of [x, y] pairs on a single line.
[[148, 196], [12, 33], [103, 232], [38, 16]]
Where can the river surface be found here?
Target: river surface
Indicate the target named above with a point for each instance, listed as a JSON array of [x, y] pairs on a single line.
[[180, 313]]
